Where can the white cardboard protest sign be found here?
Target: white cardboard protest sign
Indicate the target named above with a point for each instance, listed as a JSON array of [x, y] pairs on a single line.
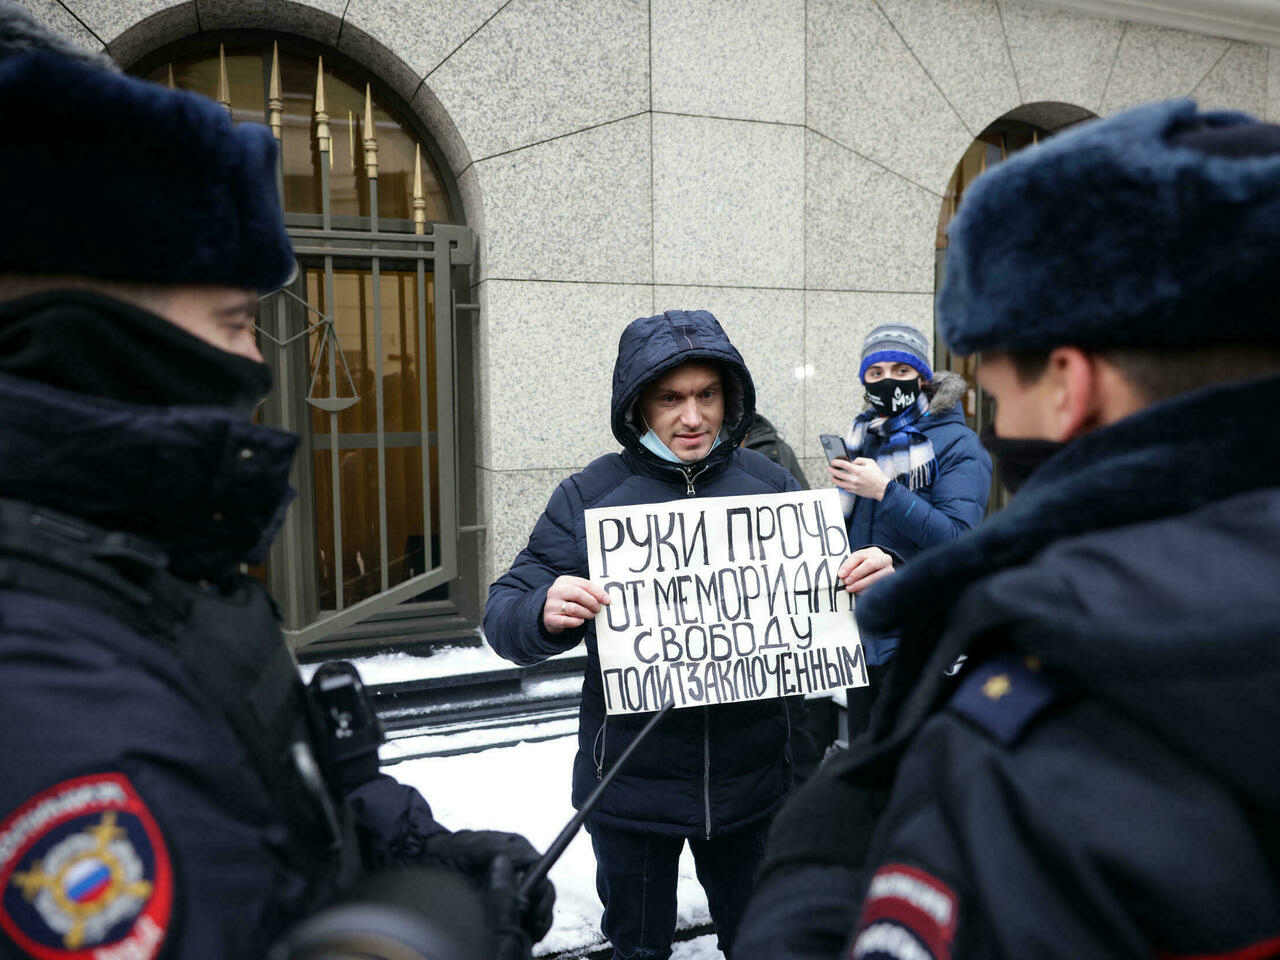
[[723, 599]]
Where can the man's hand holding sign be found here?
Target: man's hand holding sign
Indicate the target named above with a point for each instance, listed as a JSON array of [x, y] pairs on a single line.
[[571, 602], [863, 568]]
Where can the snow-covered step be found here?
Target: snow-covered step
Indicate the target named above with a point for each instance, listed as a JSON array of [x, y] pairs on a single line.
[[461, 688], [456, 739]]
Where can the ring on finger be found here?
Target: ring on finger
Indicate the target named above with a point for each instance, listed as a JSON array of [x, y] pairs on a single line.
[[564, 608]]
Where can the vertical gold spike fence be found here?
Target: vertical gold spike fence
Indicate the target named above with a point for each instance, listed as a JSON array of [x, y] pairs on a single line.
[[351, 140], [333, 403], [370, 138], [323, 137], [419, 199], [224, 87], [275, 101], [342, 243]]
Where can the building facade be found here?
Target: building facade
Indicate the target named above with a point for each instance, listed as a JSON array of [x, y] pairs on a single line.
[[786, 164]]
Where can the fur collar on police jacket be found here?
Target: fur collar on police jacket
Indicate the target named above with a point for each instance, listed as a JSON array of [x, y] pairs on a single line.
[[205, 485], [1138, 562]]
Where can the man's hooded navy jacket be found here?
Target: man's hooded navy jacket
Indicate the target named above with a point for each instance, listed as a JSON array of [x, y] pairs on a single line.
[[703, 771]]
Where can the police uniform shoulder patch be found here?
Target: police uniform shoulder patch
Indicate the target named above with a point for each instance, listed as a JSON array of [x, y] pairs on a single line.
[[908, 914], [85, 873], [1003, 695]]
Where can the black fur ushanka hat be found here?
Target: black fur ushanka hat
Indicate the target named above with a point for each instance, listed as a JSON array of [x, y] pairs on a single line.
[[108, 176], [1157, 226]]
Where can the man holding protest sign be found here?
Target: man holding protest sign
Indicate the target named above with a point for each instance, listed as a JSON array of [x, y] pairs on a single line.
[[1103, 782], [682, 403]]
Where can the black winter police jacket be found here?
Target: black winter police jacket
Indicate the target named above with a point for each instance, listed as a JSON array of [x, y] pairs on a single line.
[[136, 817], [1105, 780], [704, 771]]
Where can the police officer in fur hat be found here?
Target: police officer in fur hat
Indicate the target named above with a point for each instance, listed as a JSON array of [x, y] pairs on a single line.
[[1103, 782], [167, 785]]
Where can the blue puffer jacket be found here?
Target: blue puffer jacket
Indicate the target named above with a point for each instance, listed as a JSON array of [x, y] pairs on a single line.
[[907, 522], [703, 771]]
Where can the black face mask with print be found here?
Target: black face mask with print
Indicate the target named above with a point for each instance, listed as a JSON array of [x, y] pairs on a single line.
[[891, 397]]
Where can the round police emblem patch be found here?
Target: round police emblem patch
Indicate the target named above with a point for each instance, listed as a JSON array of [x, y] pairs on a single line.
[[85, 874]]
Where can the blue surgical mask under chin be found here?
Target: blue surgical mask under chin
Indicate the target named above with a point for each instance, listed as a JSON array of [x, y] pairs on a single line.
[[651, 442]]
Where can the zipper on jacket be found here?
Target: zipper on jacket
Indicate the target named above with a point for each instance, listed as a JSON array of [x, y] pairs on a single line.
[[706, 766], [600, 743], [689, 477], [786, 715]]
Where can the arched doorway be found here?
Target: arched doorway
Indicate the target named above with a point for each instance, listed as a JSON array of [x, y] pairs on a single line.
[[1016, 130], [362, 342]]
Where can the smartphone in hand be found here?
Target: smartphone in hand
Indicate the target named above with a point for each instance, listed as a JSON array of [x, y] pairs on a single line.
[[833, 446]]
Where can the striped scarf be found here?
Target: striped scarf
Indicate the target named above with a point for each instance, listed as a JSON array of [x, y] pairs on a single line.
[[905, 454]]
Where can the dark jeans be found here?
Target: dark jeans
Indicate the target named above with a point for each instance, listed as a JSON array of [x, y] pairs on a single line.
[[636, 879]]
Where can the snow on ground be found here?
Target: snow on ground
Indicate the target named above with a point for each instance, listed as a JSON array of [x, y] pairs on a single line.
[[699, 948], [530, 691], [525, 789], [447, 662], [476, 737]]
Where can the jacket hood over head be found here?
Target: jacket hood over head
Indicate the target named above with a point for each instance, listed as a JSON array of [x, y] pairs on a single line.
[[651, 346]]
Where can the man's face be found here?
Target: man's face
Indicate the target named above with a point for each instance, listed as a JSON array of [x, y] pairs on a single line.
[[1022, 409], [222, 316], [685, 408]]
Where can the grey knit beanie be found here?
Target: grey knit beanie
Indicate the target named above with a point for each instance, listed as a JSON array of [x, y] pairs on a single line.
[[896, 342]]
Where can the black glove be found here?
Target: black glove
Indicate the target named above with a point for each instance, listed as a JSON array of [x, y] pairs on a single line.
[[473, 852], [502, 903]]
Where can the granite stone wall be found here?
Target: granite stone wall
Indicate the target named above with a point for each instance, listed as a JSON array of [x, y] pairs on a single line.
[[779, 162]]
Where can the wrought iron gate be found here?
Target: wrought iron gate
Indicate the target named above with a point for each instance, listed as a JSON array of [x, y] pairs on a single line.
[[317, 396]]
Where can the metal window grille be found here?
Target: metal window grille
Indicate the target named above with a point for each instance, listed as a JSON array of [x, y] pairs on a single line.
[[322, 585]]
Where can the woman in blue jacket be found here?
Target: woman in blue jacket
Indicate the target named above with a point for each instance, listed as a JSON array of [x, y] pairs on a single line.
[[916, 476]]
